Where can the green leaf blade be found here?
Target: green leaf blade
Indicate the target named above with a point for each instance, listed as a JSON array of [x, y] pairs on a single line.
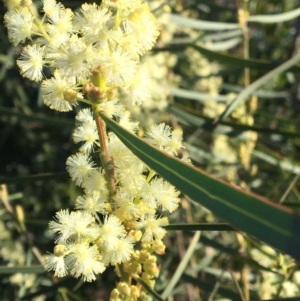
[[276, 18], [274, 224], [257, 84], [231, 60], [202, 25]]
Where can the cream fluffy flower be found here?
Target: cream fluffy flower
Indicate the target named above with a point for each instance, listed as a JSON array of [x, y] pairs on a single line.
[[54, 89], [79, 167], [84, 260], [76, 225], [19, 24], [31, 62], [57, 264]]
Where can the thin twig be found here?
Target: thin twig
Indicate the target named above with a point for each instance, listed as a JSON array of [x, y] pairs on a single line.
[[106, 159], [236, 284]]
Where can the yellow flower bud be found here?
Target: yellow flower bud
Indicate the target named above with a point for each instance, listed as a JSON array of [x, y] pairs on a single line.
[[114, 294], [132, 267], [124, 288], [148, 279], [159, 247], [135, 255], [136, 234], [144, 255], [59, 250], [70, 95], [97, 95], [20, 214], [151, 269], [152, 259], [135, 292], [143, 297], [26, 3]]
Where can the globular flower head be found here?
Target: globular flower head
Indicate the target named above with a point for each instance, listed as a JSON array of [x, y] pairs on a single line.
[[129, 125], [160, 194], [72, 58], [60, 19], [52, 8], [84, 260], [142, 29], [152, 227], [139, 88], [92, 203], [123, 206], [121, 252], [31, 62], [54, 89], [84, 116], [95, 181], [88, 134], [162, 136], [91, 21], [76, 225], [19, 24], [119, 66], [79, 166], [57, 264], [110, 232]]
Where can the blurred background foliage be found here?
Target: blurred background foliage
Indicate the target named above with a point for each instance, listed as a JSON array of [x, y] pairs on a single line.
[[256, 148]]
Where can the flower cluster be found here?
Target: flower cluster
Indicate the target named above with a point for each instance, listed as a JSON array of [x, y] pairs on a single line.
[[107, 225], [92, 55], [107, 39]]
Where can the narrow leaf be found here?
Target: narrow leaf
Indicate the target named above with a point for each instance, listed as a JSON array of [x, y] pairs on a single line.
[[276, 18], [200, 24], [237, 61], [258, 83], [274, 224], [224, 45], [222, 35], [182, 266], [284, 164], [52, 121], [259, 93], [22, 270], [195, 95], [34, 178], [225, 127], [148, 288]]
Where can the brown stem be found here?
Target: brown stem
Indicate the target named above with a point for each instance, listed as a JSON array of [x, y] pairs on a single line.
[[106, 159]]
